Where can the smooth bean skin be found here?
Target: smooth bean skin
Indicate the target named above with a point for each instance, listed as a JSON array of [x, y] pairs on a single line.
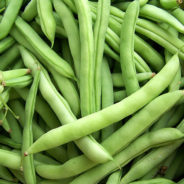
[[100, 29], [30, 11], [5, 174], [6, 182], [94, 150], [48, 24], [142, 144], [72, 32], [128, 132], [170, 4], [10, 159], [6, 43], [58, 64], [127, 47], [9, 17], [179, 14], [102, 119], [118, 79], [119, 95], [114, 178], [181, 181]]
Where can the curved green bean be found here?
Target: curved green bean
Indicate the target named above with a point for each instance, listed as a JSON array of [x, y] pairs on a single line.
[[9, 17], [114, 178], [170, 4], [6, 43], [9, 142], [119, 95], [154, 181]]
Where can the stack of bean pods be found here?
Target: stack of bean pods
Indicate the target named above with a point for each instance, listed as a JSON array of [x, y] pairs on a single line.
[[91, 91]]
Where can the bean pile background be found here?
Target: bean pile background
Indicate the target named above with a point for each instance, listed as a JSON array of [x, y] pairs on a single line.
[[91, 92]]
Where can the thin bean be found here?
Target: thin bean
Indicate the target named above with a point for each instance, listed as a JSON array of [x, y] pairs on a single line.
[[8, 57], [93, 150], [6, 182], [100, 29], [27, 162], [16, 132], [114, 178], [87, 59], [179, 14], [119, 95], [72, 32], [139, 146], [18, 64], [49, 56], [127, 47], [5, 174], [9, 17], [107, 95], [48, 24], [9, 142], [42, 109], [118, 79], [19, 175], [129, 132], [4, 123], [30, 11], [154, 181], [6, 43], [64, 181]]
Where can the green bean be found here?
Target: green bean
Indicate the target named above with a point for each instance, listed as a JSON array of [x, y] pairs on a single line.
[[8, 57], [48, 24], [58, 153], [181, 181], [5, 174], [100, 28], [19, 175], [42, 108], [142, 144], [67, 88], [179, 14], [72, 32], [30, 11], [87, 58], [6, 43], [27, 162], [107, 94], [18, 64], [162, 122], [72, 150], [4, 97], [119, 95], [129, 132], [64, 181], [102, 119], [10, 74], [154, 181], [16, 132], [9, 17], [45, 159], [49, 56], [94, 150], [118, 79], [4, 123], [114, 178], [170, 4], [127, 47], [9, 142], [19, 82]]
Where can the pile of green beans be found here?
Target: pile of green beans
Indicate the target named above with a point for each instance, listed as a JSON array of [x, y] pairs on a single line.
[[91, 91]]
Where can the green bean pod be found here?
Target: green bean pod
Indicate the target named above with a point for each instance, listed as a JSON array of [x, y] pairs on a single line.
[[181, 181], [87, 58], [5, 174], [118, 79], [49, 56], [42, 109], [10, 74], [8, 57], [30, 11], [27, 162], [179, 14], [72, 32], [9, 142], [142, 144], [127, 47], [6, 43], [94, 150], [16, 132], [19, 175], [129, 132], [48, 24], [114, 178], [6, 182], [100, 28], [4, 123], [119, 95], [9, 17], [107, 95], [170, 4], [102, 119], [19, 82]]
